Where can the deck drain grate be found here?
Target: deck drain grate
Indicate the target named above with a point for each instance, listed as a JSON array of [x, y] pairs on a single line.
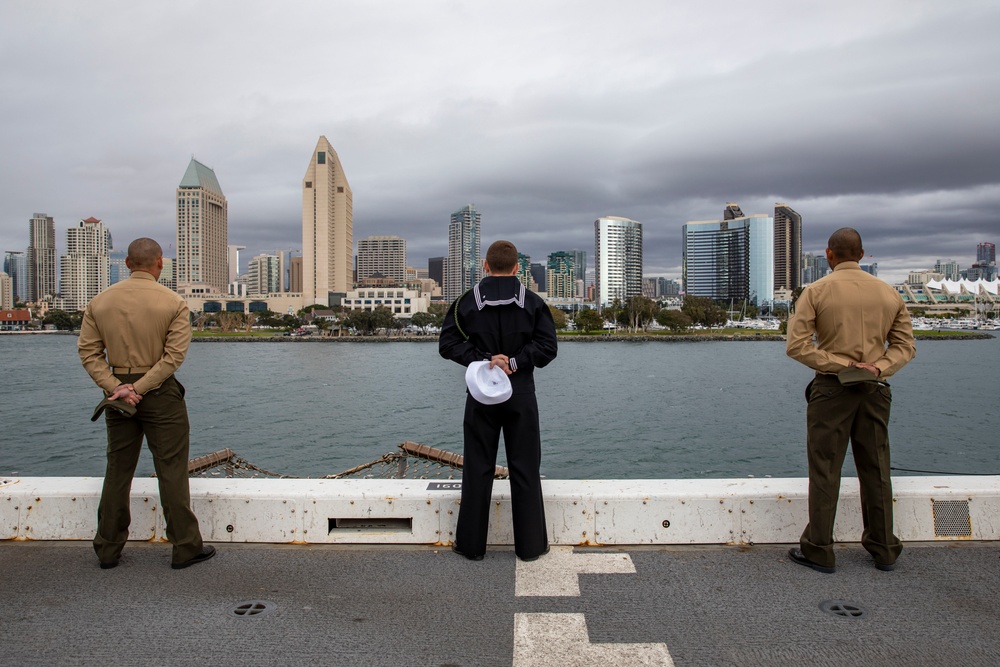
[[842, 608], [253, 608]]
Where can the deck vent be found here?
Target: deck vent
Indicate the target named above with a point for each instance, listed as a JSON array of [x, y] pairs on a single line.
[[252, 608], [951, 518], [842, 608], [370, 525]]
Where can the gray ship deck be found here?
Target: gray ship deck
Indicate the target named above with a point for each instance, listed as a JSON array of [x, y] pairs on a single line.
[[418, 605]]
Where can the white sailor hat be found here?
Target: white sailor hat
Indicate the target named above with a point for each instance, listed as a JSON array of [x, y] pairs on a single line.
[[487, 385]]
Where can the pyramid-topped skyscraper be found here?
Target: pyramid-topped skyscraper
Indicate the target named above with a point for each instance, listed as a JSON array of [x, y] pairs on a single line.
[[202, 230]]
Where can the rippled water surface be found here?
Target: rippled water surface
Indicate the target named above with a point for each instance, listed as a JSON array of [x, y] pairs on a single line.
[[608, 410]]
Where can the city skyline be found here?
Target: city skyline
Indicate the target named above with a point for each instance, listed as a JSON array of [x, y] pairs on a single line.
[[847, 112]]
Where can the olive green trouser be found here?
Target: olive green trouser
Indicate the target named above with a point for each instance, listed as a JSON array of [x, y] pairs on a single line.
[[836, 415], [162, 417]]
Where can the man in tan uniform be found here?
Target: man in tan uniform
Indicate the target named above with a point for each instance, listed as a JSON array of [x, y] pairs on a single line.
[[134, 335], [863, 335]]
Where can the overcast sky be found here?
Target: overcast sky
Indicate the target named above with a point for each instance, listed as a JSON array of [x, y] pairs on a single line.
[[883, 115]]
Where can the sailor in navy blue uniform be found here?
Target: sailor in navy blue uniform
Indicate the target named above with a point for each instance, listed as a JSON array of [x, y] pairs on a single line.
[[500, 321]]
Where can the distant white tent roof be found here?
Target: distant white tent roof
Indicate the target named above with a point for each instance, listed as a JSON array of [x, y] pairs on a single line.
[[970, 286]]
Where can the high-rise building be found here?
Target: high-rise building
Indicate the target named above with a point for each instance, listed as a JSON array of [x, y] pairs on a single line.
[[948, 269], [787, 248], [658, 287], [732, 211], [579, 264], [327, 227], [202, 229], [168, 276], [667, 287], [538, 275], [524, 269], [986, 253], [41, 260], [560, 275], [870, 268], [617, 259], [435, 270], [385, 255], [730, 260], [118, 270], [814, 267], [463, 267], [295, 274], [649, 286], [986, 261], [16, 266], [6, 291], [264, 275], [85, 269], [283, 257], [233, 261]]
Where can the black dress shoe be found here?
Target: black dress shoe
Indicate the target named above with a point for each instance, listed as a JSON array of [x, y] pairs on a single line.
[[885, 567], [470, 557], [531, 559], [110, 564], [796, 556], [207, 551]]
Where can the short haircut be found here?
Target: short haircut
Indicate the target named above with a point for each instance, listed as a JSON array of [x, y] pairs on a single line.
[[502, 257], [845, 244], [143, 253]]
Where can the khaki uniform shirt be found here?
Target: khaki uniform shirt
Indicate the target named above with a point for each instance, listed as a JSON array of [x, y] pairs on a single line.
[[853, 316], [140, 323]]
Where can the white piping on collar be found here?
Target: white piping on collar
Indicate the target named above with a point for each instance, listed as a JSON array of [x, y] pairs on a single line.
[[517, 300]]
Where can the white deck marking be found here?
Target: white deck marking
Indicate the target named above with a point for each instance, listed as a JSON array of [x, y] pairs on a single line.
[[543, 640], [555, 573]]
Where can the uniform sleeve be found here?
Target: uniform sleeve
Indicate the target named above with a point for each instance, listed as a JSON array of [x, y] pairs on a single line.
[[453, 345], [90, 347], [543, 346], [901, 347], [175, 348], [799, 344]]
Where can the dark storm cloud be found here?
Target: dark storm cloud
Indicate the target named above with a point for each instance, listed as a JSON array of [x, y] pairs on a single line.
[[547, 117]]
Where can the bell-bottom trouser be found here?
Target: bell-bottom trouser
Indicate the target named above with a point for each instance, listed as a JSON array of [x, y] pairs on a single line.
[[517, 419]]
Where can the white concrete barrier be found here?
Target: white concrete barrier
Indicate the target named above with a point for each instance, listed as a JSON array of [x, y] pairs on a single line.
[[612, 512]]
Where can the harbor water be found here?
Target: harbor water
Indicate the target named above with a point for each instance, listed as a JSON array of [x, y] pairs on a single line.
[[608, 410]]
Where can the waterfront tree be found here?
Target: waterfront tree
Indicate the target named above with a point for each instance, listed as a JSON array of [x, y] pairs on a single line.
[[612, 312], [637, 313], [394, 325], [559, 317], [674, 320], [796, 293], [588, 320], [228, 321], [704, 311], [438, 309], [422, 320], [63, 320]]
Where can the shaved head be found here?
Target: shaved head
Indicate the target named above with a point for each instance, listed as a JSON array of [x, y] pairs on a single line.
[[143, 253], [845, 244]]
